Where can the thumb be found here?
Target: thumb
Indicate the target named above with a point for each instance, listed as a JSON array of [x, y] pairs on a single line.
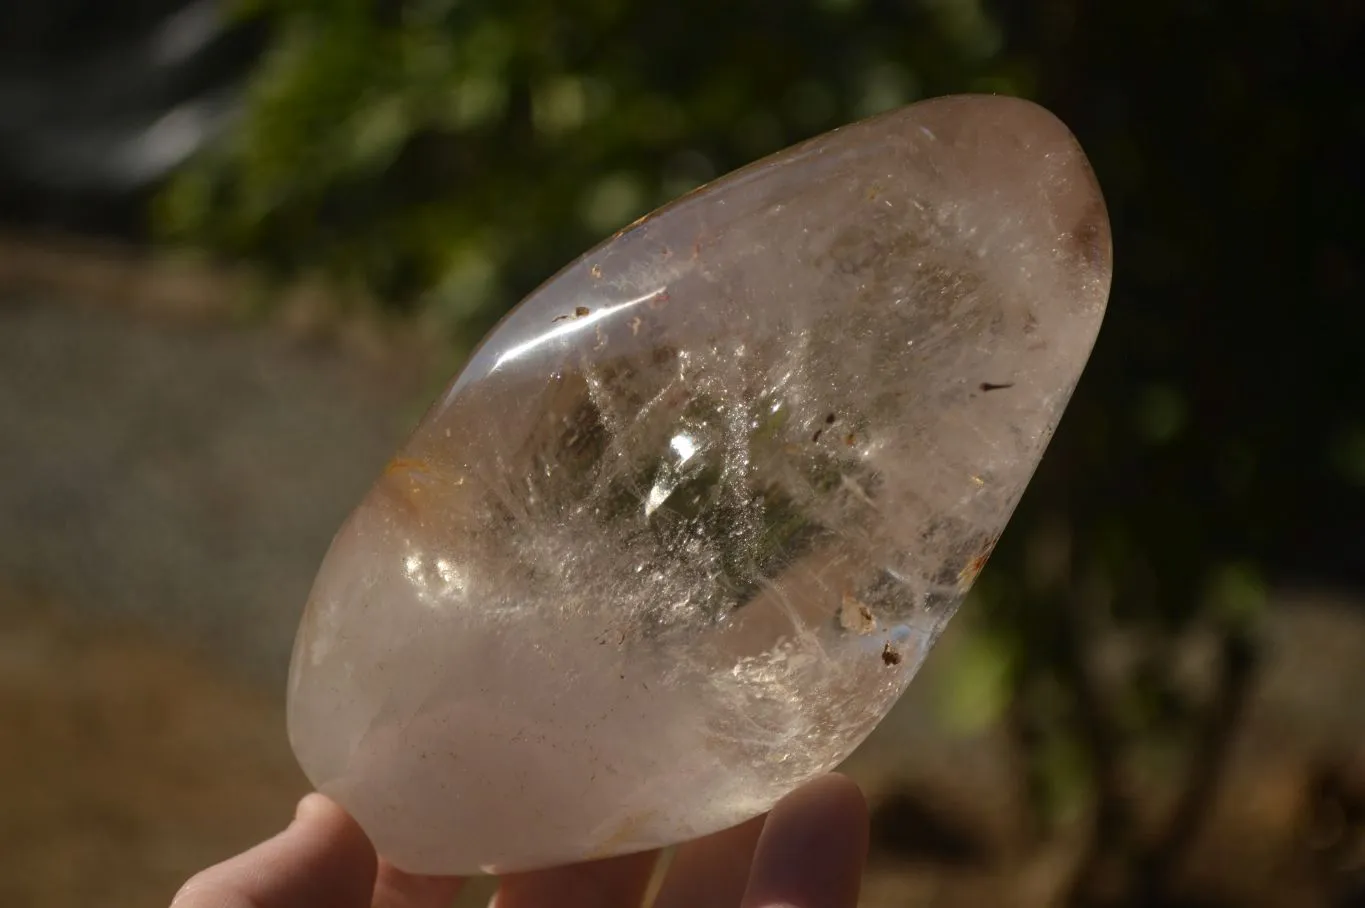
[[323, 860]]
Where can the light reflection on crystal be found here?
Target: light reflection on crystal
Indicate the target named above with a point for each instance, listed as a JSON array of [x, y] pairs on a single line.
[[574, 321], [435, 580], [684, 446]]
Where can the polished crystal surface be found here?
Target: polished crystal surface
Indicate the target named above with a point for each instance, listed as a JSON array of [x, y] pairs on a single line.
[[684, 527]]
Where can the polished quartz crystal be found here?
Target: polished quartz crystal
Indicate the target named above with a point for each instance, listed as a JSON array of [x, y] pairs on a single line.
[[682, 530]]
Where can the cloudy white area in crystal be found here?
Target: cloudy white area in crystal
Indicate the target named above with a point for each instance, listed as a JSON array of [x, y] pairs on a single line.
[[686, 524]]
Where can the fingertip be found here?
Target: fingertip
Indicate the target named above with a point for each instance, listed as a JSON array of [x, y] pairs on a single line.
[[335, 836], [322, 858], [314, 806], [713, 870], [835, 793], [812, 849]]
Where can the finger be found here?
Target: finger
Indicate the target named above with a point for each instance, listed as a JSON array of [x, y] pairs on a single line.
[[711, 871], [613, 883], [397, 889], [812, 849], [323, 860]]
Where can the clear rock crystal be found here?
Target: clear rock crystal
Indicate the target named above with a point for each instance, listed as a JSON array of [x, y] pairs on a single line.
[[683, 529]]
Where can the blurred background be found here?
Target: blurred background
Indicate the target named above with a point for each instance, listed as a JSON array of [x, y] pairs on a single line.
[[243, 243]]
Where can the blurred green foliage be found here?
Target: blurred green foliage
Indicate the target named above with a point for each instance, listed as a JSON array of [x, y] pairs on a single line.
[[445, 156]]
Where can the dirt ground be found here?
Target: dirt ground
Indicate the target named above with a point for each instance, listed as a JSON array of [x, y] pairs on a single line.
[[126, 762]]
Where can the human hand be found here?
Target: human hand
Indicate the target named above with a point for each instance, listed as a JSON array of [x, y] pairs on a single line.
[[807, 853]]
